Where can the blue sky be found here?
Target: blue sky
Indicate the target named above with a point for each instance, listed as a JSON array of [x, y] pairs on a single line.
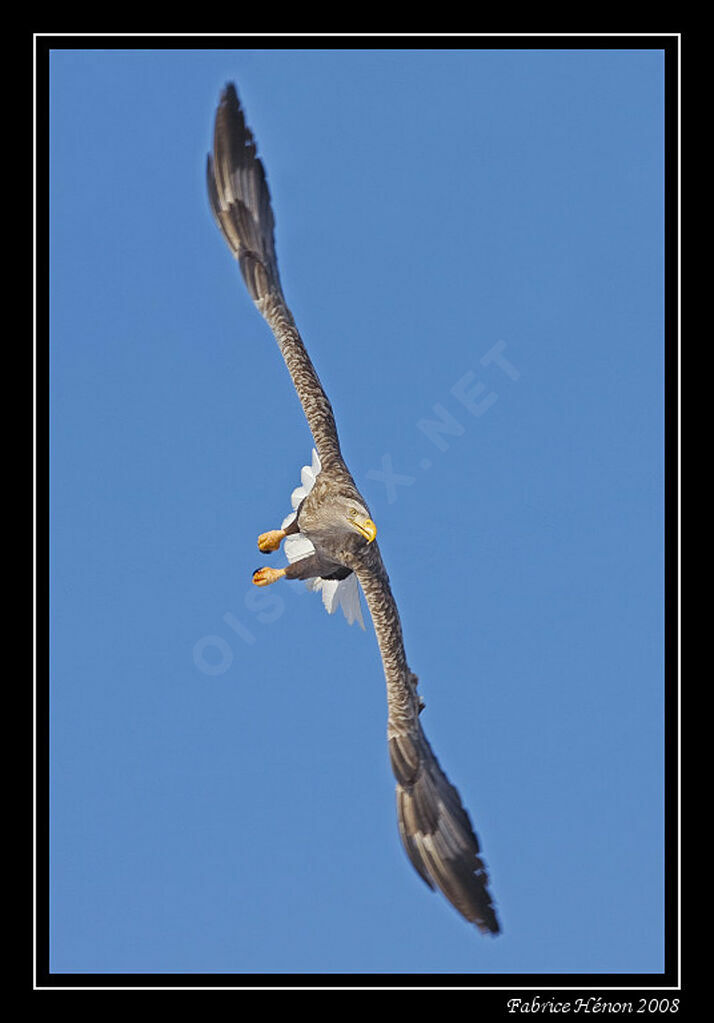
[[448, 222]]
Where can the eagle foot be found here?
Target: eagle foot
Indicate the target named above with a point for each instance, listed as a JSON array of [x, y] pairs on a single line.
[[270, 541], [266, 576]]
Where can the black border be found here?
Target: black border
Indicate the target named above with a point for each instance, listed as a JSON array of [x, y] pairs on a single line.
[[498, 988]]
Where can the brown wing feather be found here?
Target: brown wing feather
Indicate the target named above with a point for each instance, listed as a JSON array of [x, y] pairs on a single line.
[[240, 200], [434, 826]]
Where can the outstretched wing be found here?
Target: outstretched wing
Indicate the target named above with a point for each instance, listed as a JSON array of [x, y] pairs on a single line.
[[240, 200], [434, 826]]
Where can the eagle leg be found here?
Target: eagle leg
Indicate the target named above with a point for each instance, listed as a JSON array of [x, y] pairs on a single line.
[[311, 567], [270, 541]]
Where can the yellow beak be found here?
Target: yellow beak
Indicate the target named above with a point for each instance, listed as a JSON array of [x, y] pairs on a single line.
[[366, 527]]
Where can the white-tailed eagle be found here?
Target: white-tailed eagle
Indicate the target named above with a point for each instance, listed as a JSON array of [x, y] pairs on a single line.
[[330, 538]]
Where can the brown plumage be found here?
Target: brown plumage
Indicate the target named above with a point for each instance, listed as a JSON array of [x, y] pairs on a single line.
[[434, 826]]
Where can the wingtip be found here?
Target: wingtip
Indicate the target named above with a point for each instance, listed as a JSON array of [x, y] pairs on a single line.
[[230, 94], [491, 930]]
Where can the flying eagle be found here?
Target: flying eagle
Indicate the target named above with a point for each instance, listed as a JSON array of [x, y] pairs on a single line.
[[330, 538]]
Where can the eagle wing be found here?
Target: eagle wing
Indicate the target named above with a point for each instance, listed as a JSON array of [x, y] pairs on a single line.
[[240, 200], [435, 829]]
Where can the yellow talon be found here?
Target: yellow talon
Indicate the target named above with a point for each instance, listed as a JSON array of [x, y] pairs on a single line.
[[270, 541], [266, 576]]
